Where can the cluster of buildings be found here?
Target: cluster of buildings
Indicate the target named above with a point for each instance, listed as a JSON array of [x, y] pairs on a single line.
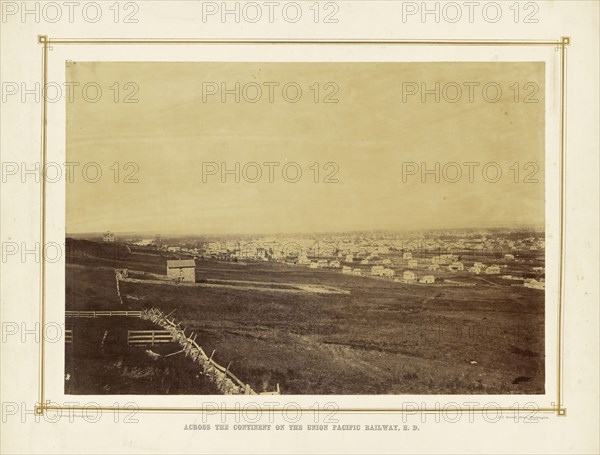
[[356, 247], [446, 262], [412, 258]]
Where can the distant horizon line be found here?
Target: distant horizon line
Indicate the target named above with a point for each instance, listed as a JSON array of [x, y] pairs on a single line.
[[354, 231]]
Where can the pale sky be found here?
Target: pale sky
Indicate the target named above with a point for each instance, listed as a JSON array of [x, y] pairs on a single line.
[[369, 134]]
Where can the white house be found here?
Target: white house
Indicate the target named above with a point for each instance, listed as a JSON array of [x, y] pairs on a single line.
[[412, 263], [349, 258], [456, 267], [347, 270], [356, 272], [334, 264], [509, 257], [313, 265], [427, 279], [409, 276], [377, 270], [433, 267], [534, 284], [493, 270], [303, 260], [389, 273], [406, 256]]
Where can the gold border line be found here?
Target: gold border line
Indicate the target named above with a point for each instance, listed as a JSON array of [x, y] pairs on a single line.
[[51, 407], [565, 41], [558, 408], [136, 41], [43, 40]]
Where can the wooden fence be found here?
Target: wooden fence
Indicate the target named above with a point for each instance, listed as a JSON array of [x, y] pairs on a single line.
[[225, 380], [98, 314], [148, 337]]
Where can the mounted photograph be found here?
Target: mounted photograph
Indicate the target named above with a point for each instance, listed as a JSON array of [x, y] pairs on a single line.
[[305, 228]]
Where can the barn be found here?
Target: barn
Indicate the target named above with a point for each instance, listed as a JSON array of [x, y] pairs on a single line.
[[182, 270]]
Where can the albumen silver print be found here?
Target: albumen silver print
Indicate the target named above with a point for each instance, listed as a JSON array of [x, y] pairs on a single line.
[[305, 228]]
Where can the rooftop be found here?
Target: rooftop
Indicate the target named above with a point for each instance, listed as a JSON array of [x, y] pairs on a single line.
[[179, 263]]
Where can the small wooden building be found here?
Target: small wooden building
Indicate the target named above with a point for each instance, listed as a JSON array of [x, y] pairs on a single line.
[[182, 270]]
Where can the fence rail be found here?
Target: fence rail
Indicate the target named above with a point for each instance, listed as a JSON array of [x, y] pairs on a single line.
[[98, 314], [225, 380], [148, 337]]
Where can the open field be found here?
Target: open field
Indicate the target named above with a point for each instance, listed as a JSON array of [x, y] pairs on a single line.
[[242, 285], [383, 337]]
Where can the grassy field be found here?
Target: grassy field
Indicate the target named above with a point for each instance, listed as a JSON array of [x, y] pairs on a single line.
[[382, 338], [98, 365]]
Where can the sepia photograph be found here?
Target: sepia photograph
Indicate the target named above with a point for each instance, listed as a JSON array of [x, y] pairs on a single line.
[[320, 227], [305, 228]]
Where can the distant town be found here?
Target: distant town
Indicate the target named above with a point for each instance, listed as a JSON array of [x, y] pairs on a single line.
[[414, 258]]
